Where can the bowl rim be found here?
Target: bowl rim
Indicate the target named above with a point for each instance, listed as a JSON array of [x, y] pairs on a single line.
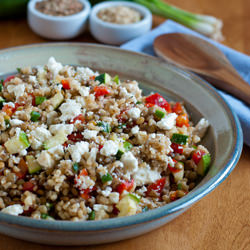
[[146, 14], [84, 12], [151, 215]]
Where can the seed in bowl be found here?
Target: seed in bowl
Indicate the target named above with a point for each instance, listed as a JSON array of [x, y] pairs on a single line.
[[59, 7], [119, 15], [79, 145]]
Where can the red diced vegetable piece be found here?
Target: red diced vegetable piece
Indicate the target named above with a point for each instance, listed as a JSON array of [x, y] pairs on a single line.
[[28, 186], [83, 172], [148, 105], [115, 210], [23, 169], [197, 155], [75, 137], [78, 118], [173, 169], [8, 79], [157, 186], [157, 99], [182, 120], [101, 91], [126, 185], [92, 77], [65, 84], [85, 194], [100, 147], [178, 149], [177, 108], [173, 196], [8, 110]]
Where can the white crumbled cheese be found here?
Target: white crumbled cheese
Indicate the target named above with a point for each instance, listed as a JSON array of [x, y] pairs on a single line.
[[51, 116], [15, 209], [76, 151], [67, 128], [201, 127], [89, 134], [57, 152], [124, 93], [23, 152], [109, 148], [38, 136], [70, 109], [18, 90], [54, 67], [11, 104], [84, 91], [33, 79], [45, 160], [74, 84], [145, 176], [114, 197], [99, 207], [134, 113], [135, 130], [85, 73], [83, 182], [15, 122], [107, 191], [81, 100], [92, 156], [142, 190], [168, 122], [130, 162]]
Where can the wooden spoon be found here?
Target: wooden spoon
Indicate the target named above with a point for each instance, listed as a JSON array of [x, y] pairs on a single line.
[[197, 55]]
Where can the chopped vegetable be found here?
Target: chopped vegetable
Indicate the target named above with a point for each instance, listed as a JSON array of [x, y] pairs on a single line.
[[92, 215], [23, 169], [177, 108], [138, 102], [177, 171], [35, 116], [179, 139], [1, 86], [105, 127], [119, 154], [28, 186], [178, 149], [56, 140], [157, 186], [75, 167], [116, 79], [56, 100], [160, 114], [134, 197], [182, 120], [75, 137], [157, 99], [8, 79], [197, 155], [179, 186], [101, 91], [203, 164], [1, 102], [122, 125], [127, 146], [17, 143], [39, 100], [78, 118], [33, 165], [106, 178], [126, 185], [18, 70], [127, 206], [65, 84], [103, 78]]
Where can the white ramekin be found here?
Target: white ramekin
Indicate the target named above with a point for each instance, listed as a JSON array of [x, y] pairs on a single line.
[[57, 27], [116, 34]]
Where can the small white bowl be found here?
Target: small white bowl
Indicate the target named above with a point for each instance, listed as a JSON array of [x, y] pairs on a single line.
[[116, 34], [57, 27]]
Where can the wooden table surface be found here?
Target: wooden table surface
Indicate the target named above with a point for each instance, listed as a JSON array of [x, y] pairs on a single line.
[[222, 219]]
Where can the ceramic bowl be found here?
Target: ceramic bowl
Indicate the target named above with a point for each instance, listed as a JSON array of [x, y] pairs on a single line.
[[58, 27], [116, 34], [224, 138]]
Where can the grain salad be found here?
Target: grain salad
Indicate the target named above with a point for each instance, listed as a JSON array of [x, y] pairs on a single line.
[[79, 145]]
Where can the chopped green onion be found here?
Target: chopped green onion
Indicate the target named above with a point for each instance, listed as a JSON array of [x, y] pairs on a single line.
[[127, 146], [134, 197], [92, 215], [160, 114], [35, 116], [49, 205], [105, 127], [1, 102], [24, 139], [75, 167], [44, 216], [116, 79], [145, 209], [39, 100], [122, 125], [107, 177], [195, 147], [18, 70], [179, 139], [7, 122], [179, 186], [119, 154], [138, 102]]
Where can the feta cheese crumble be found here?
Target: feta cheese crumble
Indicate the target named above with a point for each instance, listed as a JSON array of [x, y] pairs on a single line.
[[76, 151], [70, 109], [168, 122], [109, 148], [15, 209]]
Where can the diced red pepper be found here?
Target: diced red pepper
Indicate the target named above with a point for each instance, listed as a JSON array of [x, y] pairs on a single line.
[[126, 185], [120, 118], [8, 79], [197, 155], [115, 210], [65, 144], [33, 99], [92, 77], [178, 149], [23, 169], [182, 120], [173, 169], [75, 137], [100, 147], [177, 108], [148, 105], [157, 186], [173, 196], [11, 110], [78, 118], [85, 194], [157, 99], [28, 186], [83, 172], [65, 84], [101, 91]]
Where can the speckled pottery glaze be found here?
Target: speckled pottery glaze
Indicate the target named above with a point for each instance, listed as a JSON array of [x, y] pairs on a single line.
[[224, 138]]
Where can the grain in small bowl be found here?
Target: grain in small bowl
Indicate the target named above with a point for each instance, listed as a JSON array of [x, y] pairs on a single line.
[[118, 22], [58, 19]]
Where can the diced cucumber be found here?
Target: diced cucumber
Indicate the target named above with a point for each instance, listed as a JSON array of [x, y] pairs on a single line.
[[119, 154], [56, 100], [17, 143], [127, 206], [178, 175], [203, 164], [1, 102], [56, 140], [127, 146], [160, 114], [39, 100], [106, 178], [116, 79], [103, 78], [134, 197], [92, 215], [179, 139], [33, 165], [35, 116]]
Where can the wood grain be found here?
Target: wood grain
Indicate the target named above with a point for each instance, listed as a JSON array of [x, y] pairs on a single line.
[[220, 221]]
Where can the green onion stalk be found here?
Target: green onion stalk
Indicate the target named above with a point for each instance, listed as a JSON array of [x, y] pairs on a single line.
[[207, 25]]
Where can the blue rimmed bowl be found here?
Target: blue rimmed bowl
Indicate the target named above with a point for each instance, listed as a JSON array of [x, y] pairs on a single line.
[[224, 138]]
